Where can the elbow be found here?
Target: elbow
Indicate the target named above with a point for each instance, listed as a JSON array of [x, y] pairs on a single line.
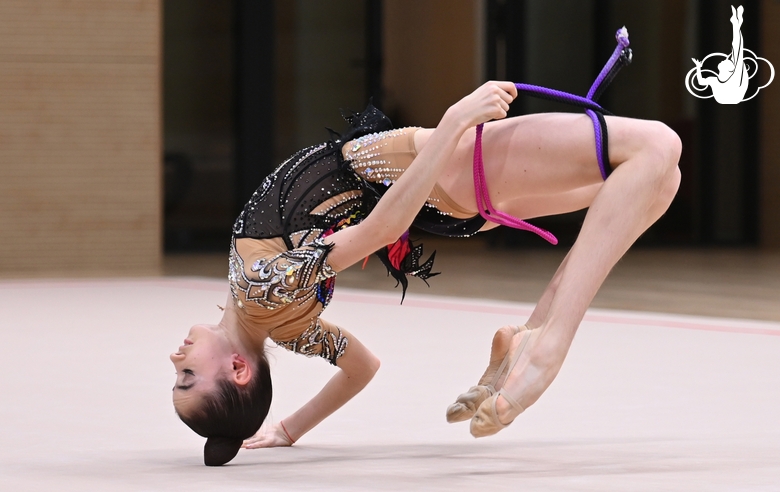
[[362, 373], [373, 365]]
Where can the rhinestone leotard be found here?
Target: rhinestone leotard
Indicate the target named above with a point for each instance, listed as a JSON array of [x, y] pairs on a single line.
[[279, 274]]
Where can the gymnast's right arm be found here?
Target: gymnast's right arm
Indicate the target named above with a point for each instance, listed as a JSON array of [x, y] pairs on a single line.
[[357, 367], [396, 210]]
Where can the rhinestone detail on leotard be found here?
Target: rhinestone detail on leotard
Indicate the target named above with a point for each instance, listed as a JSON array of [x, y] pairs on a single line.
[[365, 157], [290, 276], [317, 342]]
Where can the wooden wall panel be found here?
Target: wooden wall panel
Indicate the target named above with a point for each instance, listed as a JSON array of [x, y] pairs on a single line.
[[431, 57], [80, 123], [69, 29]]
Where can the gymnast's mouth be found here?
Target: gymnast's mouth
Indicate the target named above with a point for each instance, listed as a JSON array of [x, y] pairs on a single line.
[[187, 343]]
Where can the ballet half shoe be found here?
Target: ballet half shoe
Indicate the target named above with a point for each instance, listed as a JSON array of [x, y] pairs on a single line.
[[486, 422], [467, 403]]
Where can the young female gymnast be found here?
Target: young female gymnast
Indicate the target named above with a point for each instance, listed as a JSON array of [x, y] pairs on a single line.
[[331, 205]]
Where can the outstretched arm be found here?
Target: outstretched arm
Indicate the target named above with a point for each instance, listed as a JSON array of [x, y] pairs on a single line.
[[357, 367], [400, 204], [701, 80]]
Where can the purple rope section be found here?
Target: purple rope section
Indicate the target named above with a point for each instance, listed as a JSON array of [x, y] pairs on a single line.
[[486, 209], [559, 96], [599, 153], [622, 38]]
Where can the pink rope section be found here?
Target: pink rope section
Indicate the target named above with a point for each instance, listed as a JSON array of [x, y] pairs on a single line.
[[486, 209]]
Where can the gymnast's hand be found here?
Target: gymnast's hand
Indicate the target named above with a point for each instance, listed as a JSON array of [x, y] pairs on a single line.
[[273, 437], [489, 102]]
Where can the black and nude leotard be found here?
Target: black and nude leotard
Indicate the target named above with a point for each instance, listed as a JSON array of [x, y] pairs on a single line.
[[279, 274]]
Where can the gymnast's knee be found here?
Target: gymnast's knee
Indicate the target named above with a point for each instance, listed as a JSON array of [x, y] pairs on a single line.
[[665, 146], [653, 143]]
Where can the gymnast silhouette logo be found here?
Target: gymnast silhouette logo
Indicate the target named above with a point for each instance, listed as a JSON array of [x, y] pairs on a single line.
[[735, 70]]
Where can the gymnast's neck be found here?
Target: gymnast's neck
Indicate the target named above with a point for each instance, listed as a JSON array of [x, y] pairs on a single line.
[[248, 336]]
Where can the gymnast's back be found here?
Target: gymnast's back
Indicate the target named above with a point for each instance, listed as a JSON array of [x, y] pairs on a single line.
[[312, 191]]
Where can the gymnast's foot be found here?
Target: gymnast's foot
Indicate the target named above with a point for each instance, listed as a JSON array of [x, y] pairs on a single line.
[[535, 363], [467, 403]]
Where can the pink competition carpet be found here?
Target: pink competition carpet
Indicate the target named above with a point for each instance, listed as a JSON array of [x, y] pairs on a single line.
[[643, 402]]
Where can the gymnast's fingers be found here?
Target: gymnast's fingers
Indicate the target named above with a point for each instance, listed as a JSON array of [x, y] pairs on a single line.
[[508, 91], [255, 442]]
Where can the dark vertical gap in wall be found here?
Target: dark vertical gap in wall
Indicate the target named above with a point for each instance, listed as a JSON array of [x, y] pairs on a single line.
[[603, 41], [751, 33], [494, 31], [707, 114], [198, 124], [505, 55], [514, 33], [374, 62], [254, 104]]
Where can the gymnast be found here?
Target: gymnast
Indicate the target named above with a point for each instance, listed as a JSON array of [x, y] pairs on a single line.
[[332, 205]]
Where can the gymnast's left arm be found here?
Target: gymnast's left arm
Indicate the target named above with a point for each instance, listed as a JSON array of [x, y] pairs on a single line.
[[356, 368]]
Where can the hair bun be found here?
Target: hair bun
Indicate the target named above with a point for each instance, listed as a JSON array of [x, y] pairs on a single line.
[[220, 450]]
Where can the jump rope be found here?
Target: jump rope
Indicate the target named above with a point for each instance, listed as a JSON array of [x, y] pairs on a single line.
[[620, 58]]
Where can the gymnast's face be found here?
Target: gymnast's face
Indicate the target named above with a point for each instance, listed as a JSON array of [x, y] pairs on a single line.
[[205, 357]]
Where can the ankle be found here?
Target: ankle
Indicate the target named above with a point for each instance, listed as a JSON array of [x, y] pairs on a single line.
[[546, 359]]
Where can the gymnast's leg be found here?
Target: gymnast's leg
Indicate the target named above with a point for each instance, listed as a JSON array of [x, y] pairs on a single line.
[[534, 152], [640, 189]]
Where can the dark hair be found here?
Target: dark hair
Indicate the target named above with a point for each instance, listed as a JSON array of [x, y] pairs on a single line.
[[231, 413]]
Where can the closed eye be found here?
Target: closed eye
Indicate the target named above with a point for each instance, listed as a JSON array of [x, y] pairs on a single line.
[[185, 387]]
